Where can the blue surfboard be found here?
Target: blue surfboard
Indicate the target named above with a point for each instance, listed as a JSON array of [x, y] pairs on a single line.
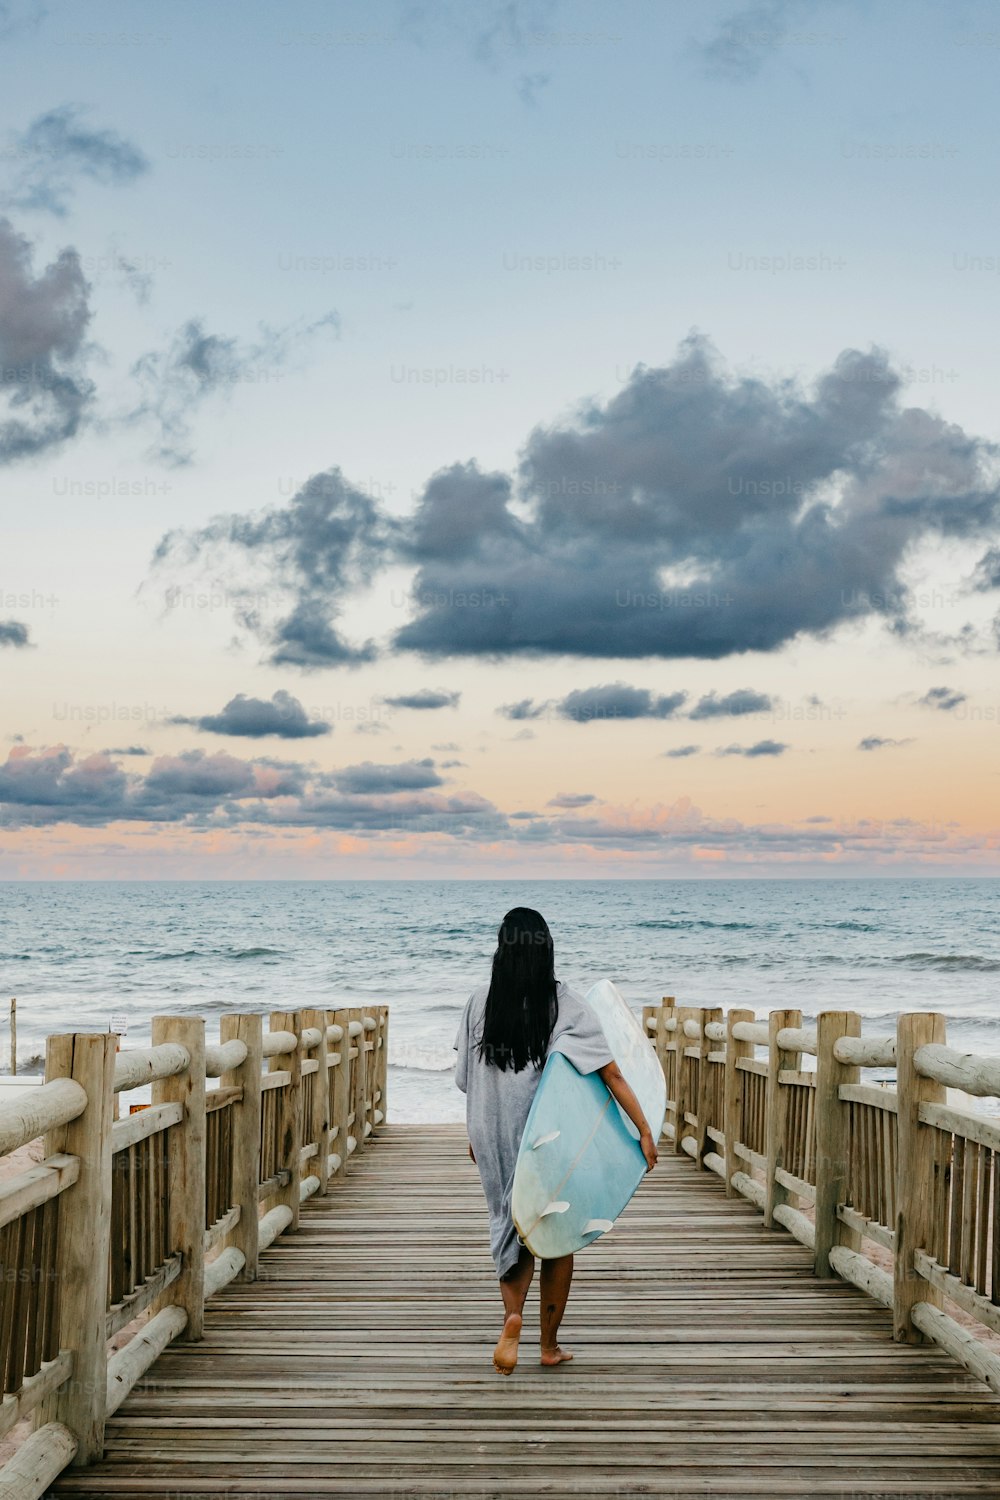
[[580, 1161]]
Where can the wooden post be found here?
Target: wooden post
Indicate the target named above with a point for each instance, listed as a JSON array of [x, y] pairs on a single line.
[[705, 1091], [663, 1039], [382, 1065], [317, 1127], [832, 1135], [685, 1103], [357, 1105], [289, 1105], [914, 1170], [84, 1236], [186, 1168], [246, 1136], [776, 1109], [733, 1100], [340, 1099]]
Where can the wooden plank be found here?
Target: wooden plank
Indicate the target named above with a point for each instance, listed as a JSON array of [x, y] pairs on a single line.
[[364, 1380]]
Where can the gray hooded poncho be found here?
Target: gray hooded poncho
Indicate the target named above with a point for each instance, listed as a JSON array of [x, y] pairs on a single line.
[[497, 1102]]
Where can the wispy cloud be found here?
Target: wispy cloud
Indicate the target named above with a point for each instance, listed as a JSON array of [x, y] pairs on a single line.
[[753, 752], [425, 698], [58, 149], [877, 742], [176, 381], [943, 698]]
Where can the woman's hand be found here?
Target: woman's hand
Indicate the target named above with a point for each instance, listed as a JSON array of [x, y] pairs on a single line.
[[648, 1146]]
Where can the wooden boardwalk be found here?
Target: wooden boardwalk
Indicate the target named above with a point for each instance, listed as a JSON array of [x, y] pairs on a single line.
[[709, 1362]]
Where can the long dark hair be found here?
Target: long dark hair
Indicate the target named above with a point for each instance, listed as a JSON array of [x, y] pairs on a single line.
[[521, 1005]]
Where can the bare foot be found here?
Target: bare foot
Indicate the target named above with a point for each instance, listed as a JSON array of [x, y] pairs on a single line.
[[505, 1353], [555, 1356]]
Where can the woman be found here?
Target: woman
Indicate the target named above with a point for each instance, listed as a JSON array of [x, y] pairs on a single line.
[[508, 1029]]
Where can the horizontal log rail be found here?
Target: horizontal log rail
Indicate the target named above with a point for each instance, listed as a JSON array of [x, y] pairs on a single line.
[[845, 1164], [150, 1214]]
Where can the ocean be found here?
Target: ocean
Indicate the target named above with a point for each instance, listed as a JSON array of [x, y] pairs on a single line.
[[74, 953]]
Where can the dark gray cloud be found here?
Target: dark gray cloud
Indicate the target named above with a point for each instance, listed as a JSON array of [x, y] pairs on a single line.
[[877, 742], [731, 705], [14, 633], [425, 698], [44, 392], [255, 718], [407, 776], [943, 698], [617, 700], [58, 149], [197, 364], [610, 700], [571, 799], [682, 752], [761, 748], [786, 511], [129, 750]]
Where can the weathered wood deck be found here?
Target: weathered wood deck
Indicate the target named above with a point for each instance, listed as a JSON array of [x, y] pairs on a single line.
[[709, 1362]]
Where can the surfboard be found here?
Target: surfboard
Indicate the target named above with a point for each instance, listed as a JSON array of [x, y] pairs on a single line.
[[580, 1161]]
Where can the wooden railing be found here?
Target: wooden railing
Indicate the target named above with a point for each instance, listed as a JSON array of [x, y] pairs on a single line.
[[154, 1212], [847, 1165]]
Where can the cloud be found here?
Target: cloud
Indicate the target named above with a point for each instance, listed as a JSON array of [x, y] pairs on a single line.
[[449, 765], [254, 718], [407, 776], [425, 698], [617, 700], [211, 793], [197, 364], [571, 799], [129, 750], [696, 514], [762, 747], [48, 786], [744, 40], [611, 700], [743, 701], [530, 87], [987, 572], [943, 698], [682, 752], [330, 540], [447, 745], [524, 708], [14, 633], [44, 395], [58, 149], [876, 742]]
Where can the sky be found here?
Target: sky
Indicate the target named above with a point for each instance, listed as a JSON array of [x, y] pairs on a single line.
[[499, 439]]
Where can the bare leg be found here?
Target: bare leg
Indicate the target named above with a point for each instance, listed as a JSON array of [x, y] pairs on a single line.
[[513, 1289], [554, 1287]]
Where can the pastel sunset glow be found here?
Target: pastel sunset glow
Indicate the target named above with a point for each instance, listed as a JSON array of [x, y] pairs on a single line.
[[499, 439]]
